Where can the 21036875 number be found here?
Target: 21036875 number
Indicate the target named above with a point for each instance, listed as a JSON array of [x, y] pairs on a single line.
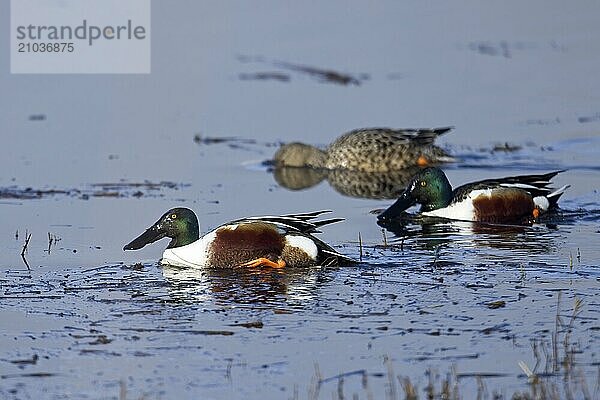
[[26, 47]]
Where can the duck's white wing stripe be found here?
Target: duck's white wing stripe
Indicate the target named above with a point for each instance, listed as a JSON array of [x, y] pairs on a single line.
[[303, 243], [523, 186], [559, 191]]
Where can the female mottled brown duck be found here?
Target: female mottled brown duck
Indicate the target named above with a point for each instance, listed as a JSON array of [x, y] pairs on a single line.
[[369, 150]]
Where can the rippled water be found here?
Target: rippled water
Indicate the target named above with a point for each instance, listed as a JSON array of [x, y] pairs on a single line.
[[112, 153]]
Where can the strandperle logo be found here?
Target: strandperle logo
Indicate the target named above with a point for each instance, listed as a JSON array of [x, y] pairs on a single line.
[[85, 31], [80, 36]]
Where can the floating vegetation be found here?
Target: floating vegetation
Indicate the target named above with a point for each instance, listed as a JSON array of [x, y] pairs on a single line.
[[589, 118], [265, 76], [324, 75], [14, 192], [507, 49], [37, 117], [116, 189], [320, 74]]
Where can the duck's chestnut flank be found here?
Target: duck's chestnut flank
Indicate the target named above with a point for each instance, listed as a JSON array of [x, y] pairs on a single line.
[[245, 242], [508, 206]]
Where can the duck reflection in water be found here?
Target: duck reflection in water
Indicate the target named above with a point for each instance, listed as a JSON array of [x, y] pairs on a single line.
[[428, 233], [366, 185], [374, 163], [275, 288]]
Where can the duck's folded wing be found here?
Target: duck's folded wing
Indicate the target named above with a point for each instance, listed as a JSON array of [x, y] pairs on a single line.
[[422, 137], [536, 184], [302, 222]]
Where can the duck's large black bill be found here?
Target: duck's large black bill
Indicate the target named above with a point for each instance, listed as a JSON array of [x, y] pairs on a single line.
[[150, 236], [404, 201]]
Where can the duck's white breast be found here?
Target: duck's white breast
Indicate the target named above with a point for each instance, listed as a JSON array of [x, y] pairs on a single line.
[[194, 255], [462, 210]]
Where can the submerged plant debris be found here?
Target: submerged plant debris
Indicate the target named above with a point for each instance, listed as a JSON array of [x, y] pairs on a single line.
[[117, 189], [320, 74], [507, 49], [324, 75], [265, 76]]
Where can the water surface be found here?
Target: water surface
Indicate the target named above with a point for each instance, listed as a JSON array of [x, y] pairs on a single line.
[[113, 152]]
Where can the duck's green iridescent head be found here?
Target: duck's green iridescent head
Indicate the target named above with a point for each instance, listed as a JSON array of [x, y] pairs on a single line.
[[430, 188], [179, 224]]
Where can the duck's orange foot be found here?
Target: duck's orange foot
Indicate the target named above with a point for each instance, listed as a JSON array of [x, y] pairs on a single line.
[[536, 213], [263, 262]]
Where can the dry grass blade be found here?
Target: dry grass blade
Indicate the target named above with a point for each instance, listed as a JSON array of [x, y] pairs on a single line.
[[340, 389], [410, 391], [315, 387], [531, 376], [360, 247], [24, 250], [391, 392], [122, 390]]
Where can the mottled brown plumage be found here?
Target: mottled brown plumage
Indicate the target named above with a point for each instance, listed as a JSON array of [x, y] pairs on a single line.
[[369, 150], [294, 257]]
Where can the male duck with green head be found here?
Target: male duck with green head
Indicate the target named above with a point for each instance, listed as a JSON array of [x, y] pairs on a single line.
[[510, 200], [271, 241]]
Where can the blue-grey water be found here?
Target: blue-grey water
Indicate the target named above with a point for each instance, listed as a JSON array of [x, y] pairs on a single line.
[[95, 159]]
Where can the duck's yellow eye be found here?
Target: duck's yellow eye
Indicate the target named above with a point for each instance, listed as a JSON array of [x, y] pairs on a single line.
[[423, 183], [173, 216]]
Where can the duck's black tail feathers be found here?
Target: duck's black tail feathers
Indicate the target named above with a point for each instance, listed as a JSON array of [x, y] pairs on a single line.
[[422, 137], [554, 196]]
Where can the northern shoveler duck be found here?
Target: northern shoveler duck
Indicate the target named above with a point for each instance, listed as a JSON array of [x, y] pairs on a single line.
[[509, 200], [369, 150], [271, 241]]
